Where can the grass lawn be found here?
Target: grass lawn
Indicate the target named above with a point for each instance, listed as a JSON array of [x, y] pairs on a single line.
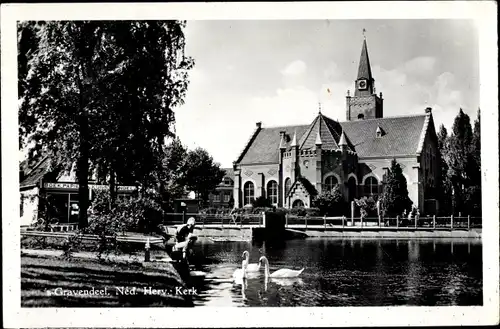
[[48, 282]]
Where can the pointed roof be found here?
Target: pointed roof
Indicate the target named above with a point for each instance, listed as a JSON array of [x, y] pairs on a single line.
[[34, 174], [264, 147], [318, 139], [402, 136], [364, 69], [342, 139], [326, 130], [282, 142], [294, 140]]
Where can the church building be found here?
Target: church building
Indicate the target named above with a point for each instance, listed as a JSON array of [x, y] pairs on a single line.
[[289, 165]]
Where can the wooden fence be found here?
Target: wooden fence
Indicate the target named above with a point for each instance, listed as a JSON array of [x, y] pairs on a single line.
[[214, 219], [291, 221]]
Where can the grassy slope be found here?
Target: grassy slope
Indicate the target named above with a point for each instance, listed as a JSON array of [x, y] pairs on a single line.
[[40, 275]]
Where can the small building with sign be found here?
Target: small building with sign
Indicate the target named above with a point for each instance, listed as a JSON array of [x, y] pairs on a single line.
[[59, 190], [222, 196]]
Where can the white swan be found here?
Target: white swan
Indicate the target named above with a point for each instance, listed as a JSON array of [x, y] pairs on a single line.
[[281, 273], [240, 273], [253, 267]]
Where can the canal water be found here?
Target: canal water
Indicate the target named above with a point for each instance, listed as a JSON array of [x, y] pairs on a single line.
[[348, 272]]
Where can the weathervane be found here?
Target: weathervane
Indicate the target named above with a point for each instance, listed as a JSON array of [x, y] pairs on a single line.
[[364, 31], [319, 105]]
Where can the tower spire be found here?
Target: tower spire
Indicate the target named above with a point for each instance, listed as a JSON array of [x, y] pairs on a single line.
[[364, 69]]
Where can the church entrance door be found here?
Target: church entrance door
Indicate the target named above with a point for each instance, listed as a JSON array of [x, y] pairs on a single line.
[[297, 204]]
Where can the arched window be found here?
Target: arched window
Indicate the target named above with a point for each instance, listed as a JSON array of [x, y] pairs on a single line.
[[248, 193], [297, 204], [272, 191], [288, 185], [361, 116], [330, 182], [371, 186]]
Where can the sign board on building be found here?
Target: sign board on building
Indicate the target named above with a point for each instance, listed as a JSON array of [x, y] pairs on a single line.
[[94, 187]]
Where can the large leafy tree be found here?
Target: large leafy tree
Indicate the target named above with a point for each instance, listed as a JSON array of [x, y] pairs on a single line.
[[444, 190], [460, 160], [101, 94], [202, 174], [394, 199], [473, 192], [174, 164]]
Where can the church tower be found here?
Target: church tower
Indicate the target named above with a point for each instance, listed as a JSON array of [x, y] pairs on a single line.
[[365, 104]]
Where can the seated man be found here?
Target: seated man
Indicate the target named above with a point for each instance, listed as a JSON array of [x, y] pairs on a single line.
[[185, 237]]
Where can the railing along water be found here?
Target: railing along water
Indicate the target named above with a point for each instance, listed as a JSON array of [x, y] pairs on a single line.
[[324, 222]]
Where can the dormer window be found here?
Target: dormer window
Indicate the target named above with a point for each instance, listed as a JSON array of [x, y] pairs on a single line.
[[379, 132], [227, 181]]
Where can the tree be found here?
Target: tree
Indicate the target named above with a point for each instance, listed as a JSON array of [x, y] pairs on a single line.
[[475, 150], [473, 192], [395, 200], [174, 164], [460, 160], [444, 190], [101, 94], [330, 202], [201, 173]]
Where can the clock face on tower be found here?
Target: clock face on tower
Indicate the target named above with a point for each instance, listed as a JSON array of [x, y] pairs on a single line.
[[362, 85]]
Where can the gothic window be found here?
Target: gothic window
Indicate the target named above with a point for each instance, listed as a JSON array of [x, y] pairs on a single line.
[[371, 186], [330, 182], [288, 185], [248, 193], [272, 192]]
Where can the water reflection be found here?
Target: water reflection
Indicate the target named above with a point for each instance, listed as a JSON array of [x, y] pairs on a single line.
[[345, 273]]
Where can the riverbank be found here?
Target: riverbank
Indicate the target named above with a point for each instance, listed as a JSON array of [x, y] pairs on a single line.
[[48, 280], [245, 233]]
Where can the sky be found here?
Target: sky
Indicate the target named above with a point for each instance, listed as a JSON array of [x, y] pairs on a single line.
[[277, 72]]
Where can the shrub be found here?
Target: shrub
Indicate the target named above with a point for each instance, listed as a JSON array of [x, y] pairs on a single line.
[[313, 212], [209, 211], [330, 203], [260, 210], [367, 206], [262, 202], [71, 244], [140, 214], [298, 211]]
